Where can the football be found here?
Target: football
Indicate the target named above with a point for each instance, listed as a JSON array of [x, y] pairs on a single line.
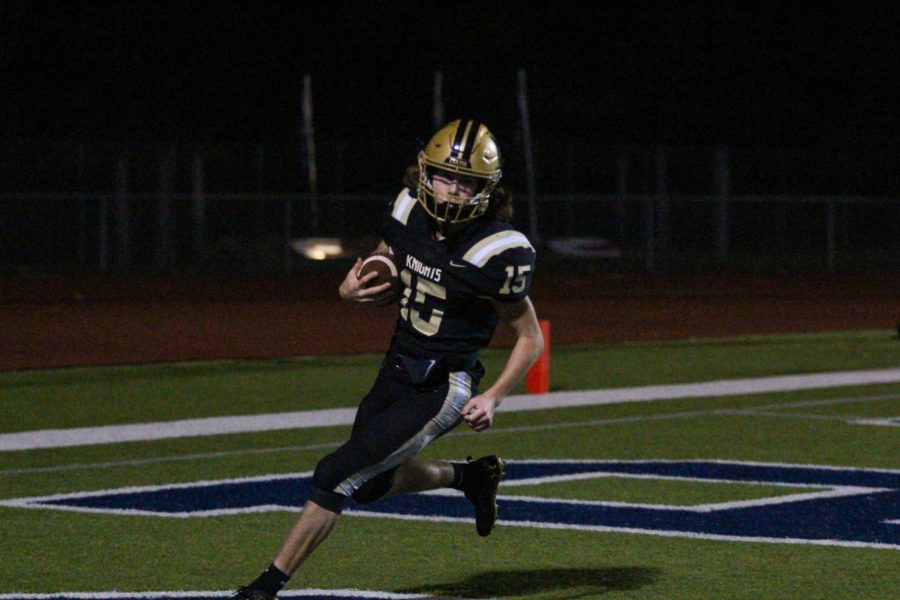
[[385, 264]]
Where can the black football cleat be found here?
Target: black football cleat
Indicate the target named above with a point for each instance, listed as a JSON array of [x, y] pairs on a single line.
[[247, 593], [480, 483]]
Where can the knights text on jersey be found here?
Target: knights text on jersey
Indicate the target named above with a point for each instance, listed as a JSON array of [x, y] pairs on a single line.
[[449, 284]]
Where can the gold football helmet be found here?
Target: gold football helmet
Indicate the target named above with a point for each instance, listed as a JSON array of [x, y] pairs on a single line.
[[462, 150]]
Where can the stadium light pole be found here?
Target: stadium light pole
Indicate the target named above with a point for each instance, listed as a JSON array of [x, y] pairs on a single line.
[[522, 98], [310, 138], [437, 113]]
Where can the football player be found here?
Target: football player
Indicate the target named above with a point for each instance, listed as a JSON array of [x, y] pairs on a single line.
[[463, 269]]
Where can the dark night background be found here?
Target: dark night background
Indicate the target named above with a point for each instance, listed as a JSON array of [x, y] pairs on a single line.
[[795, 73], [800, 97]]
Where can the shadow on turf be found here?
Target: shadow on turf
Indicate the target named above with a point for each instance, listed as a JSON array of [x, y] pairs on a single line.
[[570, 583]]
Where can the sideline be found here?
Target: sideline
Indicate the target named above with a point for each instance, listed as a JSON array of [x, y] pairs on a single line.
[[111, 434], [752, 411]]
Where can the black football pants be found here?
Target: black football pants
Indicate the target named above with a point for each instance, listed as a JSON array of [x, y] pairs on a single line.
[[394, 422]]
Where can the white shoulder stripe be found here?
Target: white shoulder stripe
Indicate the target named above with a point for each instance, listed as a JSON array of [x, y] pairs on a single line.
[[491, 246], [403, 205]]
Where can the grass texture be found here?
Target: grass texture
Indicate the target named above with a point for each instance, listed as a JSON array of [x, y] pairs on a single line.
[[51, 551]]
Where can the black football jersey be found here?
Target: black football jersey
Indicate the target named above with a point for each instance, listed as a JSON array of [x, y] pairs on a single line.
[[448, 284]]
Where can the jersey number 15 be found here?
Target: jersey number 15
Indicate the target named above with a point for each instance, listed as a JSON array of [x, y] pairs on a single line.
[[515, 279]]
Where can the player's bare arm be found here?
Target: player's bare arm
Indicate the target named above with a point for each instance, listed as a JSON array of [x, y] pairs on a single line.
[[479, 411], [353, 288]]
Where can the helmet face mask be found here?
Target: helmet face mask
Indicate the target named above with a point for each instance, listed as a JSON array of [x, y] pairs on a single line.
[[463, 152]]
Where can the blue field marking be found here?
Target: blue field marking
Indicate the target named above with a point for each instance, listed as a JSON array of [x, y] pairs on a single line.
[[838, 505]]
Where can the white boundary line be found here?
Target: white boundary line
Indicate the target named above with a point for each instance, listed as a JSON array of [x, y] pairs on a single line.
[[727, 387], [832, 492], [702, 536], [630, 530], [749, 411], [111, 434], [139, 432], [137, 489]]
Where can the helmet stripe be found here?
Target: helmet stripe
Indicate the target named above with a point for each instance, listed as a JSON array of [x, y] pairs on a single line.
[[470, 140], [456, 148]]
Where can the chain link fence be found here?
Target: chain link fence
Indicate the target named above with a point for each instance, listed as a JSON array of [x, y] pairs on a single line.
[[239, 207]]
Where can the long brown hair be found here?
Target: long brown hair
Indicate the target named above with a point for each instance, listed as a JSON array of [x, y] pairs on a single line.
[[500, 206]]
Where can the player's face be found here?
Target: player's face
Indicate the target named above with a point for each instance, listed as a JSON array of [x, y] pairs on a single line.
[[452, 187]]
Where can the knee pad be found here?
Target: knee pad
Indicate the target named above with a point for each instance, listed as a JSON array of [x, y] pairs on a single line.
[[326, 478], [328, 500], [375, 488], [328, 473]]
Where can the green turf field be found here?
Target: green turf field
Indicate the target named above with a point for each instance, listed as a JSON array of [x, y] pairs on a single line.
[[45, 550]]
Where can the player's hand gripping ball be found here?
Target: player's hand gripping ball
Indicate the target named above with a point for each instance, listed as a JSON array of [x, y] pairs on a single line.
[[385, 264]]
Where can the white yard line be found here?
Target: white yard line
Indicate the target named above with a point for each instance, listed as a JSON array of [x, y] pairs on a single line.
[[887, 422], [140, 432], [493, 431], [110, 434], [132, 462], [831, 492], [786, 415]]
